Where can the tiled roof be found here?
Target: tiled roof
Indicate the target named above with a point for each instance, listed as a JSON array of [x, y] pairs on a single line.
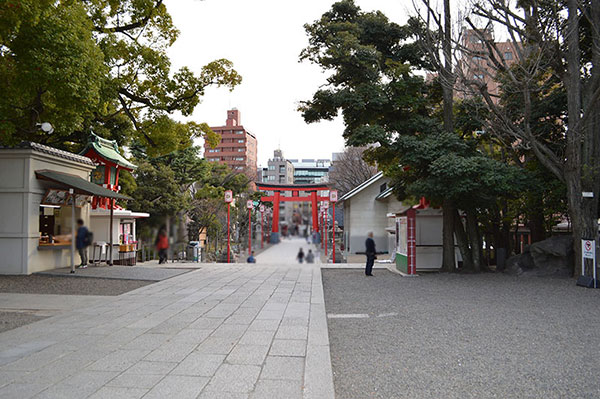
[[51, 151]]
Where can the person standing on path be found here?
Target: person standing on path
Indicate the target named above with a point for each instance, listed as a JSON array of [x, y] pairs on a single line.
[[162, 245], [300, 256], [310, 257], [370, 252], [82, 241]]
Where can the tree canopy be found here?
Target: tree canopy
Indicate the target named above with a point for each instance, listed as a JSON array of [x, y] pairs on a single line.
[[98, 64]]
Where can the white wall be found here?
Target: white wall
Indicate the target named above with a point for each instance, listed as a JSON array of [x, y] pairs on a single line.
[[20, 196], [362, 213]]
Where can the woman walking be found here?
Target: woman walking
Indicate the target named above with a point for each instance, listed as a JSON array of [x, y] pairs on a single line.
[[162, 245]]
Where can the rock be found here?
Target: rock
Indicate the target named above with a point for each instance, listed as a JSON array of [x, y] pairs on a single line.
[[550, 257], [553, 256], [558, 246], [520, 263]]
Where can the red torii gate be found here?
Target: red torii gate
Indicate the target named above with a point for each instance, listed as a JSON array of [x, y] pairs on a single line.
[[276, 198]]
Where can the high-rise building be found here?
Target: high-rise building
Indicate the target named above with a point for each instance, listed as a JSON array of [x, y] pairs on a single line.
[[238, 147], [309, 171]]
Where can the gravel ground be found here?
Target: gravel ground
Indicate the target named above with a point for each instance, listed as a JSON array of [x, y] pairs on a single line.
[[36, 284], [118, 272], [10, 320], [462, 336]]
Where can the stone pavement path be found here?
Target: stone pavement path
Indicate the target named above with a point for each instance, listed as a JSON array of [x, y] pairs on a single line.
[[234, 331], [286, 252]]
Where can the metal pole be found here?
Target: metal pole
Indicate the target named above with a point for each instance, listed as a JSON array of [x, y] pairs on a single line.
[[333, 229], [262, 229], [110, 247], [73, 233], [228, 206], [249, 232]]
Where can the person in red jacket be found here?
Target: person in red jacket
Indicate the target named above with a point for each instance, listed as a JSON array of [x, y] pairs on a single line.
[[162, 245]]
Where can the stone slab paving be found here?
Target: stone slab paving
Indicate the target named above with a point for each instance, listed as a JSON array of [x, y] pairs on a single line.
[[225, 331]]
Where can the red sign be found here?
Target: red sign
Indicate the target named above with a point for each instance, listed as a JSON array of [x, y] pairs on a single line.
[[262, 208], [249, 204], [228, 196], [325, 205]]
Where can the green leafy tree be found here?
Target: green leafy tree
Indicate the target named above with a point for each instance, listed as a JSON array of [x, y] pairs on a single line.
[[99, 64], [383, 102]]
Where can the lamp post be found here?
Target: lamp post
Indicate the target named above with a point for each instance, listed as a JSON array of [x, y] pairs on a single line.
[[333, 197], [249, 205], [262, 226], [228, 200]]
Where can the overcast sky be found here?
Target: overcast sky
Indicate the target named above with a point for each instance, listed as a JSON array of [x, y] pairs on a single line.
[[263, 39]]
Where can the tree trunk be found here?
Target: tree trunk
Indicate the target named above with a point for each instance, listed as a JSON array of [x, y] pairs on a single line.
[[474, 239], [448, 262], [463, 243], [536, 220]]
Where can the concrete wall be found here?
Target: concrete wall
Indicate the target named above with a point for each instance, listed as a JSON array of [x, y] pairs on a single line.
[[20, 196], [362, 213]]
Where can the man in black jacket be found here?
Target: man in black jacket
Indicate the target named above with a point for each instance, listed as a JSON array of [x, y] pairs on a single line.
[[370, 252]]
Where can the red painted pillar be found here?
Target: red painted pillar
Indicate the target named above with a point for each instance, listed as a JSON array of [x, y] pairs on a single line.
[[315, 214], [322, 232], [228, 244], [411, 228], [249, 231], [333, 233], [275, 227], [326, 227], [262, 229]]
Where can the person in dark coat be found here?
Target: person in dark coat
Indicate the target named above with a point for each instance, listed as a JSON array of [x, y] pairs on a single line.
[[300, 256], [370, 252], [81, 243]]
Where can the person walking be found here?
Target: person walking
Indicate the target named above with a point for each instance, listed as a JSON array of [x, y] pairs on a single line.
[[162, 245], [370, 252], [82, 241], [310, 257], [300, 256]]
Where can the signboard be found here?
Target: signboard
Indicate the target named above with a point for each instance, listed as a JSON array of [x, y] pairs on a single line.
[[402, 235], [228, 196], [262, 208], [588, 249], [333, 195], [249, 204], [80, 200], [55, 197], [325, 205]]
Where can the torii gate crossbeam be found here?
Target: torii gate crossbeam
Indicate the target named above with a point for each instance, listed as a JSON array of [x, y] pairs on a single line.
[[276, 198]]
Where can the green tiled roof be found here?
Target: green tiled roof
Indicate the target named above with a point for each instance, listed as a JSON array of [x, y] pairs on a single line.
[[80, 186], [108, 149]]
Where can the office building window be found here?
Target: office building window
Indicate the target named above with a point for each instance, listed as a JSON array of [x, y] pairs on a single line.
[[271, 167], [281, 169], [508, 55], [240, 141]]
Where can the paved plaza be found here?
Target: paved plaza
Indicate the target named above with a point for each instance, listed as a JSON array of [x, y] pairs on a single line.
[[224, 331]]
